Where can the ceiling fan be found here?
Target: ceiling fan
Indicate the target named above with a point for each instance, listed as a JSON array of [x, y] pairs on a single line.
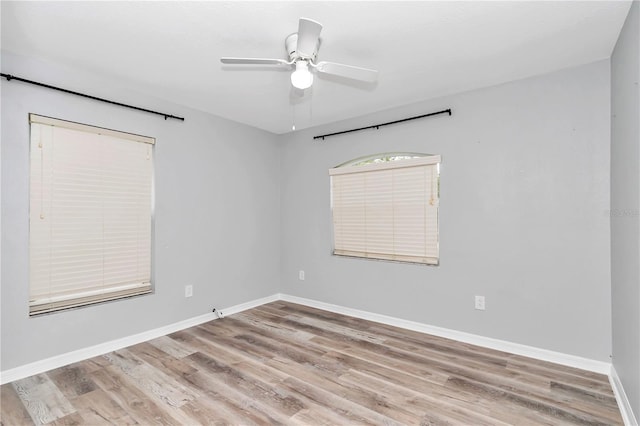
[[302, 48]]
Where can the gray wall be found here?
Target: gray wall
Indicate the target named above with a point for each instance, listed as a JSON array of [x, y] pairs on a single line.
[[625, 206], [525, 195], [217, 213], [523, 217]]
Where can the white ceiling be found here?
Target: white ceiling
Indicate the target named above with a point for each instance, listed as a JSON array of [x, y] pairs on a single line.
[[422, 49]]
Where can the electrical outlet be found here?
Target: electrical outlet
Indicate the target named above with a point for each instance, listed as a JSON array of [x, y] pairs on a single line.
[[480, 303], [188, 290], [301, 275]]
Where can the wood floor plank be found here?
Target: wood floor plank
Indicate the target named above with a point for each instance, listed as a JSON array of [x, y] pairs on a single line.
[[42, 399], [317, 416], [355, 412], [276, 346], [352, 393], [72, 380], [283, 403], [151, 380], [73, 419], [311, 375], [244, 410], [97, 407], [162, 361], [205, 411], [429, 396], [408, 381], [171, 347], [266, 327], [133, 400], [257, 410], [418, 405], [290, 364], [587, 399], [274, 377], [599, 384], [523, 392], [12, 410]]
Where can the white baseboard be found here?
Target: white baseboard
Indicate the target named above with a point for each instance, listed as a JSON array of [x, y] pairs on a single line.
[[621, 398], [113, 345], [251, 304], [487, 342], [515, 348]]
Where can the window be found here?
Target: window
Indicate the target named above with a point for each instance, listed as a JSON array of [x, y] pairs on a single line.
[[90, 214], [386, 207]]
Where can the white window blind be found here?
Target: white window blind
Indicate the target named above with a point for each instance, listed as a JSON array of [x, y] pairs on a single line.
[[387, 210], [90, 214]]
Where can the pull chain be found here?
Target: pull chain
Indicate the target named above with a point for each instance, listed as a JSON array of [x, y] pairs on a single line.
[[293, 117]]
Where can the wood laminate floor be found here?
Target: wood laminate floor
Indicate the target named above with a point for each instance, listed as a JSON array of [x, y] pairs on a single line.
[[283, 363]]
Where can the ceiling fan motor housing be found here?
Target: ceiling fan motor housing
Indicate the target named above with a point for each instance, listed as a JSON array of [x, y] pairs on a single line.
[[291, 44]]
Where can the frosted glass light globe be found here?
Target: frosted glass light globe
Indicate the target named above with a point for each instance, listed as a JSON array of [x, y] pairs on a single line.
[[302, 78]]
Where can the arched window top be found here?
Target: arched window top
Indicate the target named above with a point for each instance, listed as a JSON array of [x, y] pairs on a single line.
[[385, 157]]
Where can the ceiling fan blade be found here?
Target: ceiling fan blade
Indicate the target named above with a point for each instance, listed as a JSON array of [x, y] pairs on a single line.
[[348, 71], [308, 36], [253, 61]]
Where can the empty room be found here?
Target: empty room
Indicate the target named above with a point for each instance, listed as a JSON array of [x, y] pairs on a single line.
[[324, 212]]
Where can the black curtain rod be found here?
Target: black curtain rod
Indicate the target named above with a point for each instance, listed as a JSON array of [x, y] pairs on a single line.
[[377, 126], [24, 80]]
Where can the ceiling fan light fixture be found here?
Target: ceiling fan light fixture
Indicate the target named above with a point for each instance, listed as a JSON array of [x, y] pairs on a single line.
[[302, 51], [302, 78]]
